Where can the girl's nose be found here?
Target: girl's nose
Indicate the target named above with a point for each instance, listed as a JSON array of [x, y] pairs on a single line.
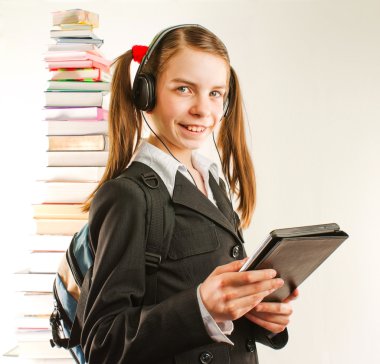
[[201, 106]]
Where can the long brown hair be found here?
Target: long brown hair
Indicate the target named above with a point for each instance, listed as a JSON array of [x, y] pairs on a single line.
[[125, 121]]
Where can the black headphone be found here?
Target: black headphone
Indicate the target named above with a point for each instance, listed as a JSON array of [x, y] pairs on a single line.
[[143, 90]]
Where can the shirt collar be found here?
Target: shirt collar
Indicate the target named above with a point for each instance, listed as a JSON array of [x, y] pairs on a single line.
[[166, 166]]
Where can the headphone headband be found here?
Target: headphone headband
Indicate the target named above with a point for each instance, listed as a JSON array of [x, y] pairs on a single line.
[[157, 40]]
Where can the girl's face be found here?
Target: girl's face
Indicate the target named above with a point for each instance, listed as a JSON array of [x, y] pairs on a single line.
[[189, 99]]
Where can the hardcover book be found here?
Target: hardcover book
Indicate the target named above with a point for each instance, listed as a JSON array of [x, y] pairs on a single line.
[[77, 159], [75, 113], [62, 192], [77, 142], [79, 85], [94, 74], [70, 174], [59, 211], [74, 98], [58, 226]]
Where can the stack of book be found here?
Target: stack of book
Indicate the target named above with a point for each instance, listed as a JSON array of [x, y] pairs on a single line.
[[76, 135]]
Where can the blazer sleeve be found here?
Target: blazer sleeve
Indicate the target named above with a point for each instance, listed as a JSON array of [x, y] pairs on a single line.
[[117, 327], [266, 338]]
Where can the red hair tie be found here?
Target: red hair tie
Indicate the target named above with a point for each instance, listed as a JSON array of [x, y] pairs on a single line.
[[138, 52]]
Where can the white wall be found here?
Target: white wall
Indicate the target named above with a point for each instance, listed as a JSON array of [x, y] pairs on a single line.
[[310, 74]]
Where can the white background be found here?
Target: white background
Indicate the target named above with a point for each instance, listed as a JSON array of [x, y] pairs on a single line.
[[310, 76]]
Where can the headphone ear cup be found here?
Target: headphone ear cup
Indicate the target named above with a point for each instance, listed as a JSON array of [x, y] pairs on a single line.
[[144, 96]]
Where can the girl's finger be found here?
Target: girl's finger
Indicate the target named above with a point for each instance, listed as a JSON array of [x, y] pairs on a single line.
[[272, 318], [274, 308], [294, 295], [273, 327], [229, 267]]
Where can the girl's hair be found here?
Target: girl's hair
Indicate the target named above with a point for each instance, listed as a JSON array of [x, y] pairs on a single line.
[[125, 121]]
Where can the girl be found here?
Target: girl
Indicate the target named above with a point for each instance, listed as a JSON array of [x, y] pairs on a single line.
[[205, 309]]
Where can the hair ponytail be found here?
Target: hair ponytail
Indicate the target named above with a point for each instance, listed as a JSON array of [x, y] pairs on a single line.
[[124, 123], [236, 161]]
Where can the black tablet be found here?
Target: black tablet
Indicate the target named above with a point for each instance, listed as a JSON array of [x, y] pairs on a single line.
[[295, 253]]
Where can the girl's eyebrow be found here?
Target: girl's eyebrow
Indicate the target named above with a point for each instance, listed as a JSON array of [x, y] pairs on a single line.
[[181, 80]]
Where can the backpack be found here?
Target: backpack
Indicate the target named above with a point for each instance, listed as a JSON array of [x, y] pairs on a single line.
[[70, 298]]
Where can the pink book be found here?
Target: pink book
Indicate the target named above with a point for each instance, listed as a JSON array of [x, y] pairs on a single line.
[[77, 64], [54, 56]]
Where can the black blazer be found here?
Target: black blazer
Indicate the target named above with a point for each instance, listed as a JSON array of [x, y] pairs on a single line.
[[118, 328]]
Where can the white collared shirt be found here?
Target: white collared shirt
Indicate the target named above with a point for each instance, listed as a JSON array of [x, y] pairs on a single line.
[[166, 167]]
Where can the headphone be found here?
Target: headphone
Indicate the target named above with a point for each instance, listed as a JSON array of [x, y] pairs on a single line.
[[143, 90]]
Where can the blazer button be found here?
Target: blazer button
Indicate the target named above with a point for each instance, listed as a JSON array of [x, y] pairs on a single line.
[[235, 251], [206, 357], [250, 345]]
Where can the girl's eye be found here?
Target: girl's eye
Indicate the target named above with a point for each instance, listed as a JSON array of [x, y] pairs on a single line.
[[216, 93], [182, 89]]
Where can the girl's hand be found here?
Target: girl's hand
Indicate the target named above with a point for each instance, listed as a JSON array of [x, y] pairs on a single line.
[[273, 316], [229, 294]]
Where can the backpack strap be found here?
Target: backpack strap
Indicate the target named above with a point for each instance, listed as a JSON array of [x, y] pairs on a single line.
[[160, 226], [160, 222]]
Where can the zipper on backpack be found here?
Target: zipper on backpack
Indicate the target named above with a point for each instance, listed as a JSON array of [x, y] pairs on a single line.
[[70, 256], [58, 306]]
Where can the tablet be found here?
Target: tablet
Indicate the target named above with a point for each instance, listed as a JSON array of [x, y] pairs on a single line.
[[295, 253]]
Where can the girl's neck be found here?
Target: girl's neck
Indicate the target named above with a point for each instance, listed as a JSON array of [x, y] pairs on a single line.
[[184, 157]]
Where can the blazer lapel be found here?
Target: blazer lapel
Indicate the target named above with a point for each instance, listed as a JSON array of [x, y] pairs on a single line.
[[186, 194], [221, 198]]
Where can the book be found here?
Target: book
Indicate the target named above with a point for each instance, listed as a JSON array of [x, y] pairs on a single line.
[[94, 74], [70, 174], [97, 42], [75, 16], [62, 192], [24, 281], [77, 64], [79, 85], [77, 59], [295, 253], [44, 261], [33, 321], [72, 33], [73, 98], [58, 127], [55, 65], [59, 211], [40, 350], [77, 159], [75, 113], [58, 226], [71, 47], [33, 303], [57, 243], [94, 55], [77, 142], [75, 26], [31, 334]]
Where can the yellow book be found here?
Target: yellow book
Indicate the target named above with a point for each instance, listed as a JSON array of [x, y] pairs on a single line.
[[77, 142], [59, 211]]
